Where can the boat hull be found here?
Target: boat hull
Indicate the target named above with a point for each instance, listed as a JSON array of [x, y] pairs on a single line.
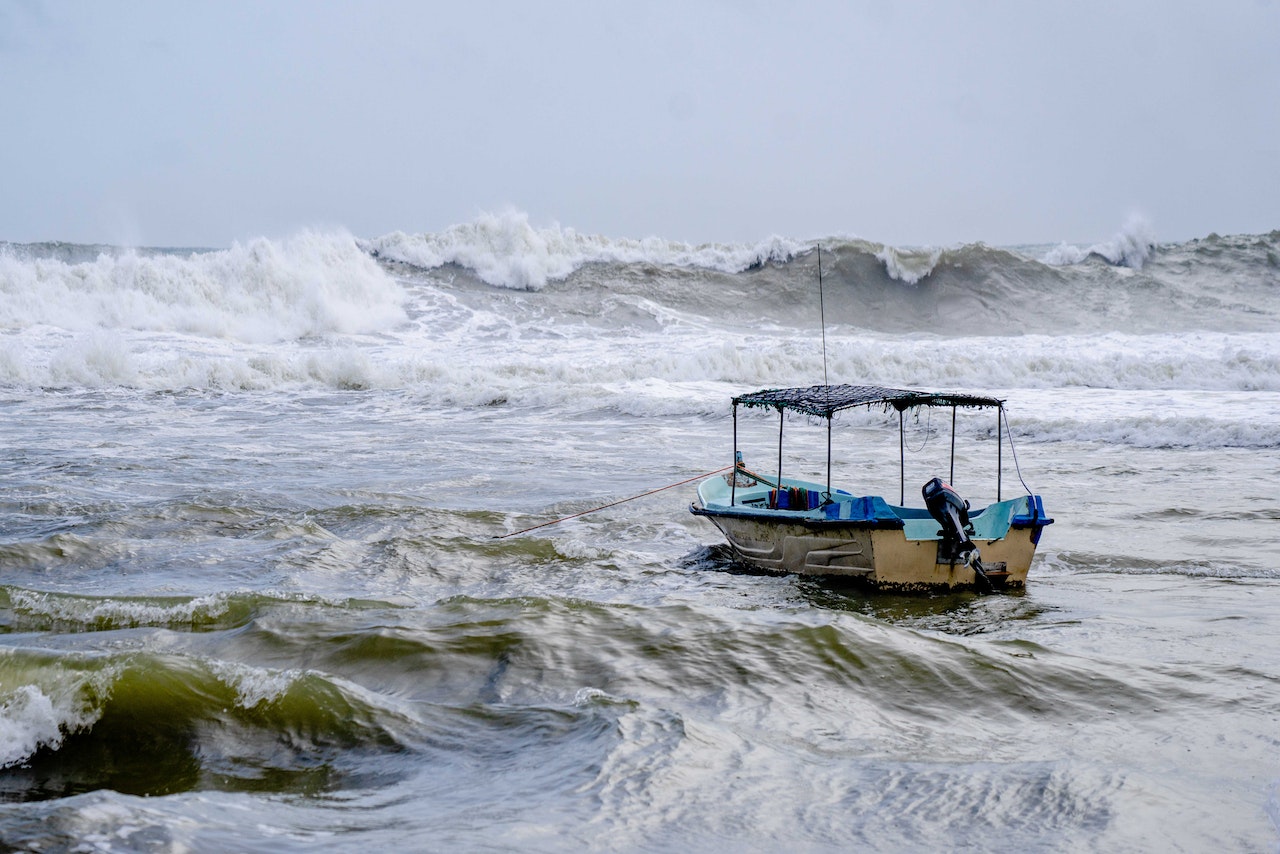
[[882, 558], [887, 548]]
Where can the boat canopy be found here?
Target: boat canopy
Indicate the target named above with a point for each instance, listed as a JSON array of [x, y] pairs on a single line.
[[825, 401]]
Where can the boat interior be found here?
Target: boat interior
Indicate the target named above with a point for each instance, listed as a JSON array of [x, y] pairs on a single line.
[[807, 501]]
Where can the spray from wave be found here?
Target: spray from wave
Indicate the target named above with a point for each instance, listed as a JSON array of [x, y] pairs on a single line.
[[1131, 247]]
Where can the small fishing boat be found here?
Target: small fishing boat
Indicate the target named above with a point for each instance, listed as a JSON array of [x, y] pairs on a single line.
[[785, 524]]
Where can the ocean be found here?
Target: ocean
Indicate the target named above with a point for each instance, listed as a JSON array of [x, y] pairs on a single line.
[[256, 593]]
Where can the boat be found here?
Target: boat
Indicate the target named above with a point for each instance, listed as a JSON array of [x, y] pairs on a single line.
[[779, 523]]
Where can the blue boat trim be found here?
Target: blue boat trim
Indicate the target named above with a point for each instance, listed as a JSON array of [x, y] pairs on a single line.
[[1035, 517], [807, 519]]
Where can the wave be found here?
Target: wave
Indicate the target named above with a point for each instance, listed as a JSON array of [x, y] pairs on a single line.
[[1090, 562], [504, 250], [908, 266], [266, 290], [541, 690], [1193, 433], [150, 723], [1221, 282], [1215, 390], [31, 719], [654, 374], [42, 611], [334, 284], [552, 312], [1131, 247]]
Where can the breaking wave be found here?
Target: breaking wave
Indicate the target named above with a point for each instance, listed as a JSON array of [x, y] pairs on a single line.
[[504, 250], [147, 723], [34, 610], [499, 310], [1131, 247], [311, 284]]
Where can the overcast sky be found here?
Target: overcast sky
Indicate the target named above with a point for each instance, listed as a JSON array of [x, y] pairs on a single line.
[[202, 123]]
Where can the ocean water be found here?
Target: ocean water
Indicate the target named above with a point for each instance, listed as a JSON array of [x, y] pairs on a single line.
[[254, 593]]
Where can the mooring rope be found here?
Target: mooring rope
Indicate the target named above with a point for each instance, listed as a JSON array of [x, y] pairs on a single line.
[[1016, 467], [612, 504]]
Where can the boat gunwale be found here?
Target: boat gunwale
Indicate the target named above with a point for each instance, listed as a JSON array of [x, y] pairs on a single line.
[[797, 518]]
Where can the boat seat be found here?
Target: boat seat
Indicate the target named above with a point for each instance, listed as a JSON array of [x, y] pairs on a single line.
[[866, 508], [795, 498]]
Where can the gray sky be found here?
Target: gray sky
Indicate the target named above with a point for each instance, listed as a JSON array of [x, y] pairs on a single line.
[[201, 123]]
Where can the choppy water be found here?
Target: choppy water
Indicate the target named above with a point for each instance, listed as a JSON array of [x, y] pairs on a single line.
[[251, 599]]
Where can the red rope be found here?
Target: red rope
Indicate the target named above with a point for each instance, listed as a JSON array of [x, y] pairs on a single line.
[[613, 504]]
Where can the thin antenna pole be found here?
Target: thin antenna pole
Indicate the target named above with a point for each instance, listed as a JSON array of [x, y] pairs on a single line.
[[822, 314]]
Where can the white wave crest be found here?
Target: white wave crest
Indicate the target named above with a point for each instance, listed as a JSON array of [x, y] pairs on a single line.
[[32, 717], [908, 265], [1131, 247], [103, 613], [27, 721], [1186, 432], [311, 284], [254, 685], [504, 250]]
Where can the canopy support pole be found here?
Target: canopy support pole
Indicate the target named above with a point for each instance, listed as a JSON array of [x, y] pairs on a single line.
[[999, 448], [778, 492], [952, 479], [733, 484], [902, 461], [828, 457]]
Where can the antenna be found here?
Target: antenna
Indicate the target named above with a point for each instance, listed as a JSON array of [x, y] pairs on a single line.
[[822, 314]]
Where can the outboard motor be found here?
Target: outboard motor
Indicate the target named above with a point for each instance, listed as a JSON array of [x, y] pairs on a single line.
[[952, 513]]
